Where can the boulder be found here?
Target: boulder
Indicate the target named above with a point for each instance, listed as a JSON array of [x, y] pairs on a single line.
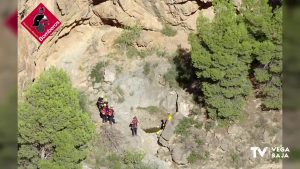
[[164, 154], [168, 132], [144, 40], [108, 38], [163, 150], [188, 8], [179, 154], [184, 106], [225, 144], [126, 13]]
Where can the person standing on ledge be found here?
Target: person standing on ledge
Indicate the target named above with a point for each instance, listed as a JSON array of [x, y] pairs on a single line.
[[133, 125]]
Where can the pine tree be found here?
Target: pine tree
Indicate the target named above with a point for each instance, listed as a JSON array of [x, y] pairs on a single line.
[[221, 53], [264, 23], [53, 129]]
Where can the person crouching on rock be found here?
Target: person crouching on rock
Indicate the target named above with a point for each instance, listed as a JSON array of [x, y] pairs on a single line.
[[103, 113], [110, 115], [133, 125]]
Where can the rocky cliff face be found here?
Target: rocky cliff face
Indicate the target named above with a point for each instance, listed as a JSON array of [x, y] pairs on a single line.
[[91, 16], [86, 38]]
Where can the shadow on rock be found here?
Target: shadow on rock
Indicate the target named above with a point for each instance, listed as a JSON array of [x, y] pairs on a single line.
[[187, 78]]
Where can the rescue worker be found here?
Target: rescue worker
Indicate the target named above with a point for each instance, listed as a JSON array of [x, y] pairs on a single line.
[[103, 113], [110, 115], [133, 125], [100, 103], [169, 118], [162, 125], [105, 101]]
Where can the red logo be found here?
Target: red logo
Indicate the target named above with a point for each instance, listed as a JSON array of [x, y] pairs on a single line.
[[41, 23]]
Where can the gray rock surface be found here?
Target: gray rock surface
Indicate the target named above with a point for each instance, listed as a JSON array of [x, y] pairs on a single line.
[[179, 154]]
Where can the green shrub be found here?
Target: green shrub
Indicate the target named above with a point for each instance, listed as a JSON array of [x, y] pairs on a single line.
[[125, 42], [97, 73], [236, 160], [146, 68], [261, 122], [199, 142], [224, 123], [170, 77], [161, 52], [168, 31], [194, 157], [114, 161], [129, 36], [133, 158], [54, 131], [209, 125], [132, 52], [184, 125], [146, 52], [119, 69]]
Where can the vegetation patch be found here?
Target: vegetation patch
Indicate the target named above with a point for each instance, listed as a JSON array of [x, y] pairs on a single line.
[[147, 68], [54, 130], [193, 157], [236, 160], [153, 50], [119, 69], [168, 31], [127, 160], [170, 77], [161, 52], [199, 142], [256, 38], [128, 37], [97, 73], [196, 156], [132, 52], [209, 125], [185, 124]]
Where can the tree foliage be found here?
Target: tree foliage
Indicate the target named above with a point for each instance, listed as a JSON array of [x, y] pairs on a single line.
[[221, 52], [224, 52], [264, 23], [53, 129]]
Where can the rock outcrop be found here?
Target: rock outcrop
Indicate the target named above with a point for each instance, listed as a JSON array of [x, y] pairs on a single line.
[[126, 13]]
